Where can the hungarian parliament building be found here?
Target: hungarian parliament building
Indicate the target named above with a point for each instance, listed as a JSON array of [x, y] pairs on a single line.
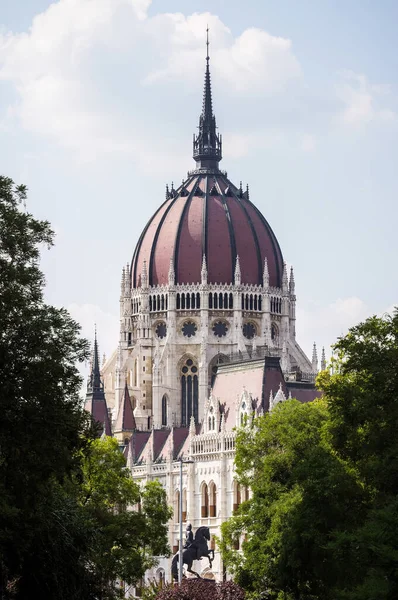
[[207, 343]]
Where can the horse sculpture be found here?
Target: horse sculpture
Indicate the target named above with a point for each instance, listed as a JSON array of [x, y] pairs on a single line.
[[195, 551]]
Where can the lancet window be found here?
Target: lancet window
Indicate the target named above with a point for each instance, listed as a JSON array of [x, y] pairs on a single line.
[[205, 501], [276, 305], [164, 411], [252, 302], [213, 499], [221, 301], [189, 392], [190, 301]]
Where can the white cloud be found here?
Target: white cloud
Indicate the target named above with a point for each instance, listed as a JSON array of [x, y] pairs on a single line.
[[361, 100], [58, 71], [308, 143], [251, 63]]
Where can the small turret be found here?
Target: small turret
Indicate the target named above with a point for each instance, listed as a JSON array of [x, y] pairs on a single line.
[[266, 274], [171, 273], [144, 276], [237, 274], [292, 285], [314, 359], [123, 282], [285, 283], [323, 360], [127, 281], [204, 271]]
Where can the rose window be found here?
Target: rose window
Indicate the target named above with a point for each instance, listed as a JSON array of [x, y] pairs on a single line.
[[249, 331], [161, 330], [189, 329], [220, 329]]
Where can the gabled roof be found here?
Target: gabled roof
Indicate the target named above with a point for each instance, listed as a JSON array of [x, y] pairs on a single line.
[[125, 420]]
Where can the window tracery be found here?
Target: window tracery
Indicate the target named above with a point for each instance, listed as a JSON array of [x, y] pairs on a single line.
[[189, 392]]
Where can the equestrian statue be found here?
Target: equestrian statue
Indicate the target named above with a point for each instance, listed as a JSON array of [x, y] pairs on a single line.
[[195, 548]]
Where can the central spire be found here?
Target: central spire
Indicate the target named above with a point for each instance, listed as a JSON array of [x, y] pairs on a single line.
[[207, 145]]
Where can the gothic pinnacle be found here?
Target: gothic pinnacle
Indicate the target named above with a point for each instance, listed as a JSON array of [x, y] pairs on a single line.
[[265, 274], [291, 282], [237, 274], [314, 359], [144, 275], [204, 270], [323, 359], [171, 272], [285, 284]]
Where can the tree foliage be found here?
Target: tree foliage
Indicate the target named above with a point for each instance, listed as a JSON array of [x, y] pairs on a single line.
[[322, 518], [125, 542], [66, 525]]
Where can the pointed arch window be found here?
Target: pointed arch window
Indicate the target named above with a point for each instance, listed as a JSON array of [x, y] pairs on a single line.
[[189, 392], [213, 499], [205, 501], [164, 411]]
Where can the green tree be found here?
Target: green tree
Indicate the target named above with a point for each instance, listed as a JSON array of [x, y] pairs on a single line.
[[124, 540], [362, 395], [300, 490], [322, 521], [67, 530], [43, 426]]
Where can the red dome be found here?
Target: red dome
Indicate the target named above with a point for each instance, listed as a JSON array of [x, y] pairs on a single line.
[[208, 216]]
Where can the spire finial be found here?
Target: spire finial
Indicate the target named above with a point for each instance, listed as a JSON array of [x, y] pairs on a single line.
[[94, 382], [207, 145], [314, 360], [323, 359], [237, 274]]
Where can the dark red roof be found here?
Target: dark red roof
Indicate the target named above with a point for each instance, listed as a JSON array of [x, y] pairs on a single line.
[[207, 215], [125, 420]]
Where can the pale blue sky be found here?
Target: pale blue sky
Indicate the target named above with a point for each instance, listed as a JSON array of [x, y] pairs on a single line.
[[99, 100]]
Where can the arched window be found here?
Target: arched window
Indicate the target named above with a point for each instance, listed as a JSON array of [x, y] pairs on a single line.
[[205, 501], [176, 507], [274, 332], [220, 300], [243, 301], [189, 392], [255, 301], [197, 300], [231, 301], [150, 302], [215, 301], [213, 499], [188, 300], [260, 303], [210, 300], [164, 411], [162, 302], [178, 304], [237, 495], [182, 301], [193, 300]]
